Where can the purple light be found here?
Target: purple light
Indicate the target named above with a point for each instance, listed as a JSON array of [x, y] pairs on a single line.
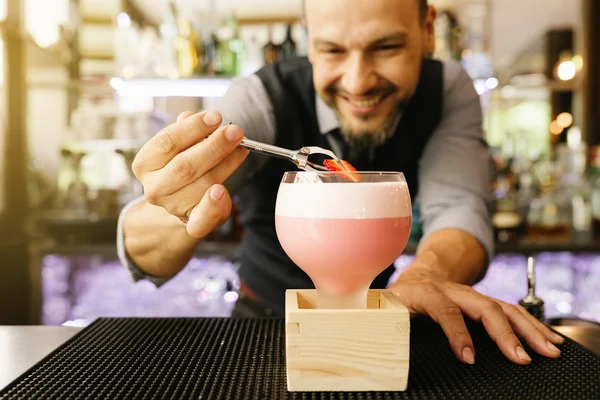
[[77, 290]]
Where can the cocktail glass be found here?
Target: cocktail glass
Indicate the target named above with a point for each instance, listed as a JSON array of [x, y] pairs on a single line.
[[343, 232]]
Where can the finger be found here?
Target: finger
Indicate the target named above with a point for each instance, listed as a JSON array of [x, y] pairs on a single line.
[[482, 308], [547, 332], [174, 139], [449, 316], [213, 209], [184, 115], [193, 163], [526, 330], [181, 203]]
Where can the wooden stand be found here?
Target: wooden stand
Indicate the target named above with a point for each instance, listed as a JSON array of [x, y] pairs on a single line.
[[346, 350]]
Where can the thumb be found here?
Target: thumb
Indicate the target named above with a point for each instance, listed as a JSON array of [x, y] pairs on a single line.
[[213, 209]]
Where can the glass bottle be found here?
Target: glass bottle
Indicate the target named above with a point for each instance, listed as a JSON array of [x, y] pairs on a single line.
[[168, 65], [288, 46], [253, 59], [550, 213], [212, 55], [187, 55], [270, 49], [232, 48], [201, 54]]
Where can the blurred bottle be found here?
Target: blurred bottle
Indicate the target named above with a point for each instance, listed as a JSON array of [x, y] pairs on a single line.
[[126, 46], [232, 48], [187, 55], [526, 193], [212, 56], [149, 52], [550, 213], [270, 49], [288, 46], [581, 205], [507, 218], [168, 64], [254, 57], [201, 54], [75, 198]]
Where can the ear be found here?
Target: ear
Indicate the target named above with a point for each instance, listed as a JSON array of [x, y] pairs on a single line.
[[429, 32]]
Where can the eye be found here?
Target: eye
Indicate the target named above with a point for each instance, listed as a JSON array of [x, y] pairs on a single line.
[[388, 47], [332, 50]]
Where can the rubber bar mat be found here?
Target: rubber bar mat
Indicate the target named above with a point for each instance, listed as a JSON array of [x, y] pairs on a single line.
[[245, 359]]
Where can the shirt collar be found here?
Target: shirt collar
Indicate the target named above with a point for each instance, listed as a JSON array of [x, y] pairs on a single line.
[[325, 116]]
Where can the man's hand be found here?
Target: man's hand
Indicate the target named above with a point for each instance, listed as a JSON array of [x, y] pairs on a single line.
[[183, 167], [446, 302]]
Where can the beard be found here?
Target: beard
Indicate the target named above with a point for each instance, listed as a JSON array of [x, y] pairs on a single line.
[[369, 139], [366, 139]]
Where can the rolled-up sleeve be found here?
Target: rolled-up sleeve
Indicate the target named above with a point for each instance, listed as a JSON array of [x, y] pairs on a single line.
[[455, 185], [135, 273]]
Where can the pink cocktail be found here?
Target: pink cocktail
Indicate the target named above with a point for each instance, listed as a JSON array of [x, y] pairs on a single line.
[[343, 233]]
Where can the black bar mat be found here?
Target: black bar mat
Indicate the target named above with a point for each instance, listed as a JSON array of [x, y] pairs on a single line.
[[179, 358]]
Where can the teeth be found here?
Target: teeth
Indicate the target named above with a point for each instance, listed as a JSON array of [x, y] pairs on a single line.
[[366, 103]]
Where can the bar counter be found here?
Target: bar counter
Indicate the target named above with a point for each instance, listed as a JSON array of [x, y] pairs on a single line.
[[189, 351]]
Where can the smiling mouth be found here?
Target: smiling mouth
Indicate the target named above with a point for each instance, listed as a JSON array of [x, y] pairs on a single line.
[[366, 104]]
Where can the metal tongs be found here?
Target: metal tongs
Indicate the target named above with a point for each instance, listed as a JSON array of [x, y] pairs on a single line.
[[298, 157]]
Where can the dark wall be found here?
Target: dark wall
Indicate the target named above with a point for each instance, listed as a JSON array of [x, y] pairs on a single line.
[[591, 80]]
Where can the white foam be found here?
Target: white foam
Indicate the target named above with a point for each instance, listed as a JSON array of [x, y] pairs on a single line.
[[357, 200]]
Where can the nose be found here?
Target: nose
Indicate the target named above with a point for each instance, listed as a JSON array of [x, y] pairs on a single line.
[[358, 75]]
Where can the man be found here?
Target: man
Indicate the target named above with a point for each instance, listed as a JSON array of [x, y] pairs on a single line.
[[369, 92]]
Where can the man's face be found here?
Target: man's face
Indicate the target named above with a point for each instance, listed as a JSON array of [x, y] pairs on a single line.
[[366, 58]]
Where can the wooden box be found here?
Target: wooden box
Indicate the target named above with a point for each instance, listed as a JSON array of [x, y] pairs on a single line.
[[346, 350]]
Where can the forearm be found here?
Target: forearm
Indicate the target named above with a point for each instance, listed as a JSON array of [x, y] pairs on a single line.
[[156, 241], [449, 254]]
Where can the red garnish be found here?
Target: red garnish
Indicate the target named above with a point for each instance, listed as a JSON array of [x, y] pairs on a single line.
[[343, 169]]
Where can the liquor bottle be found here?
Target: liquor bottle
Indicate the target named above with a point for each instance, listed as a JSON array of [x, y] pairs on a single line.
[[232, 48], [288, 47], [271, 50], [550, 213], [212, 55], [201, 54], [507, 218], [253, 59], [187, 55], [167, 65]]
